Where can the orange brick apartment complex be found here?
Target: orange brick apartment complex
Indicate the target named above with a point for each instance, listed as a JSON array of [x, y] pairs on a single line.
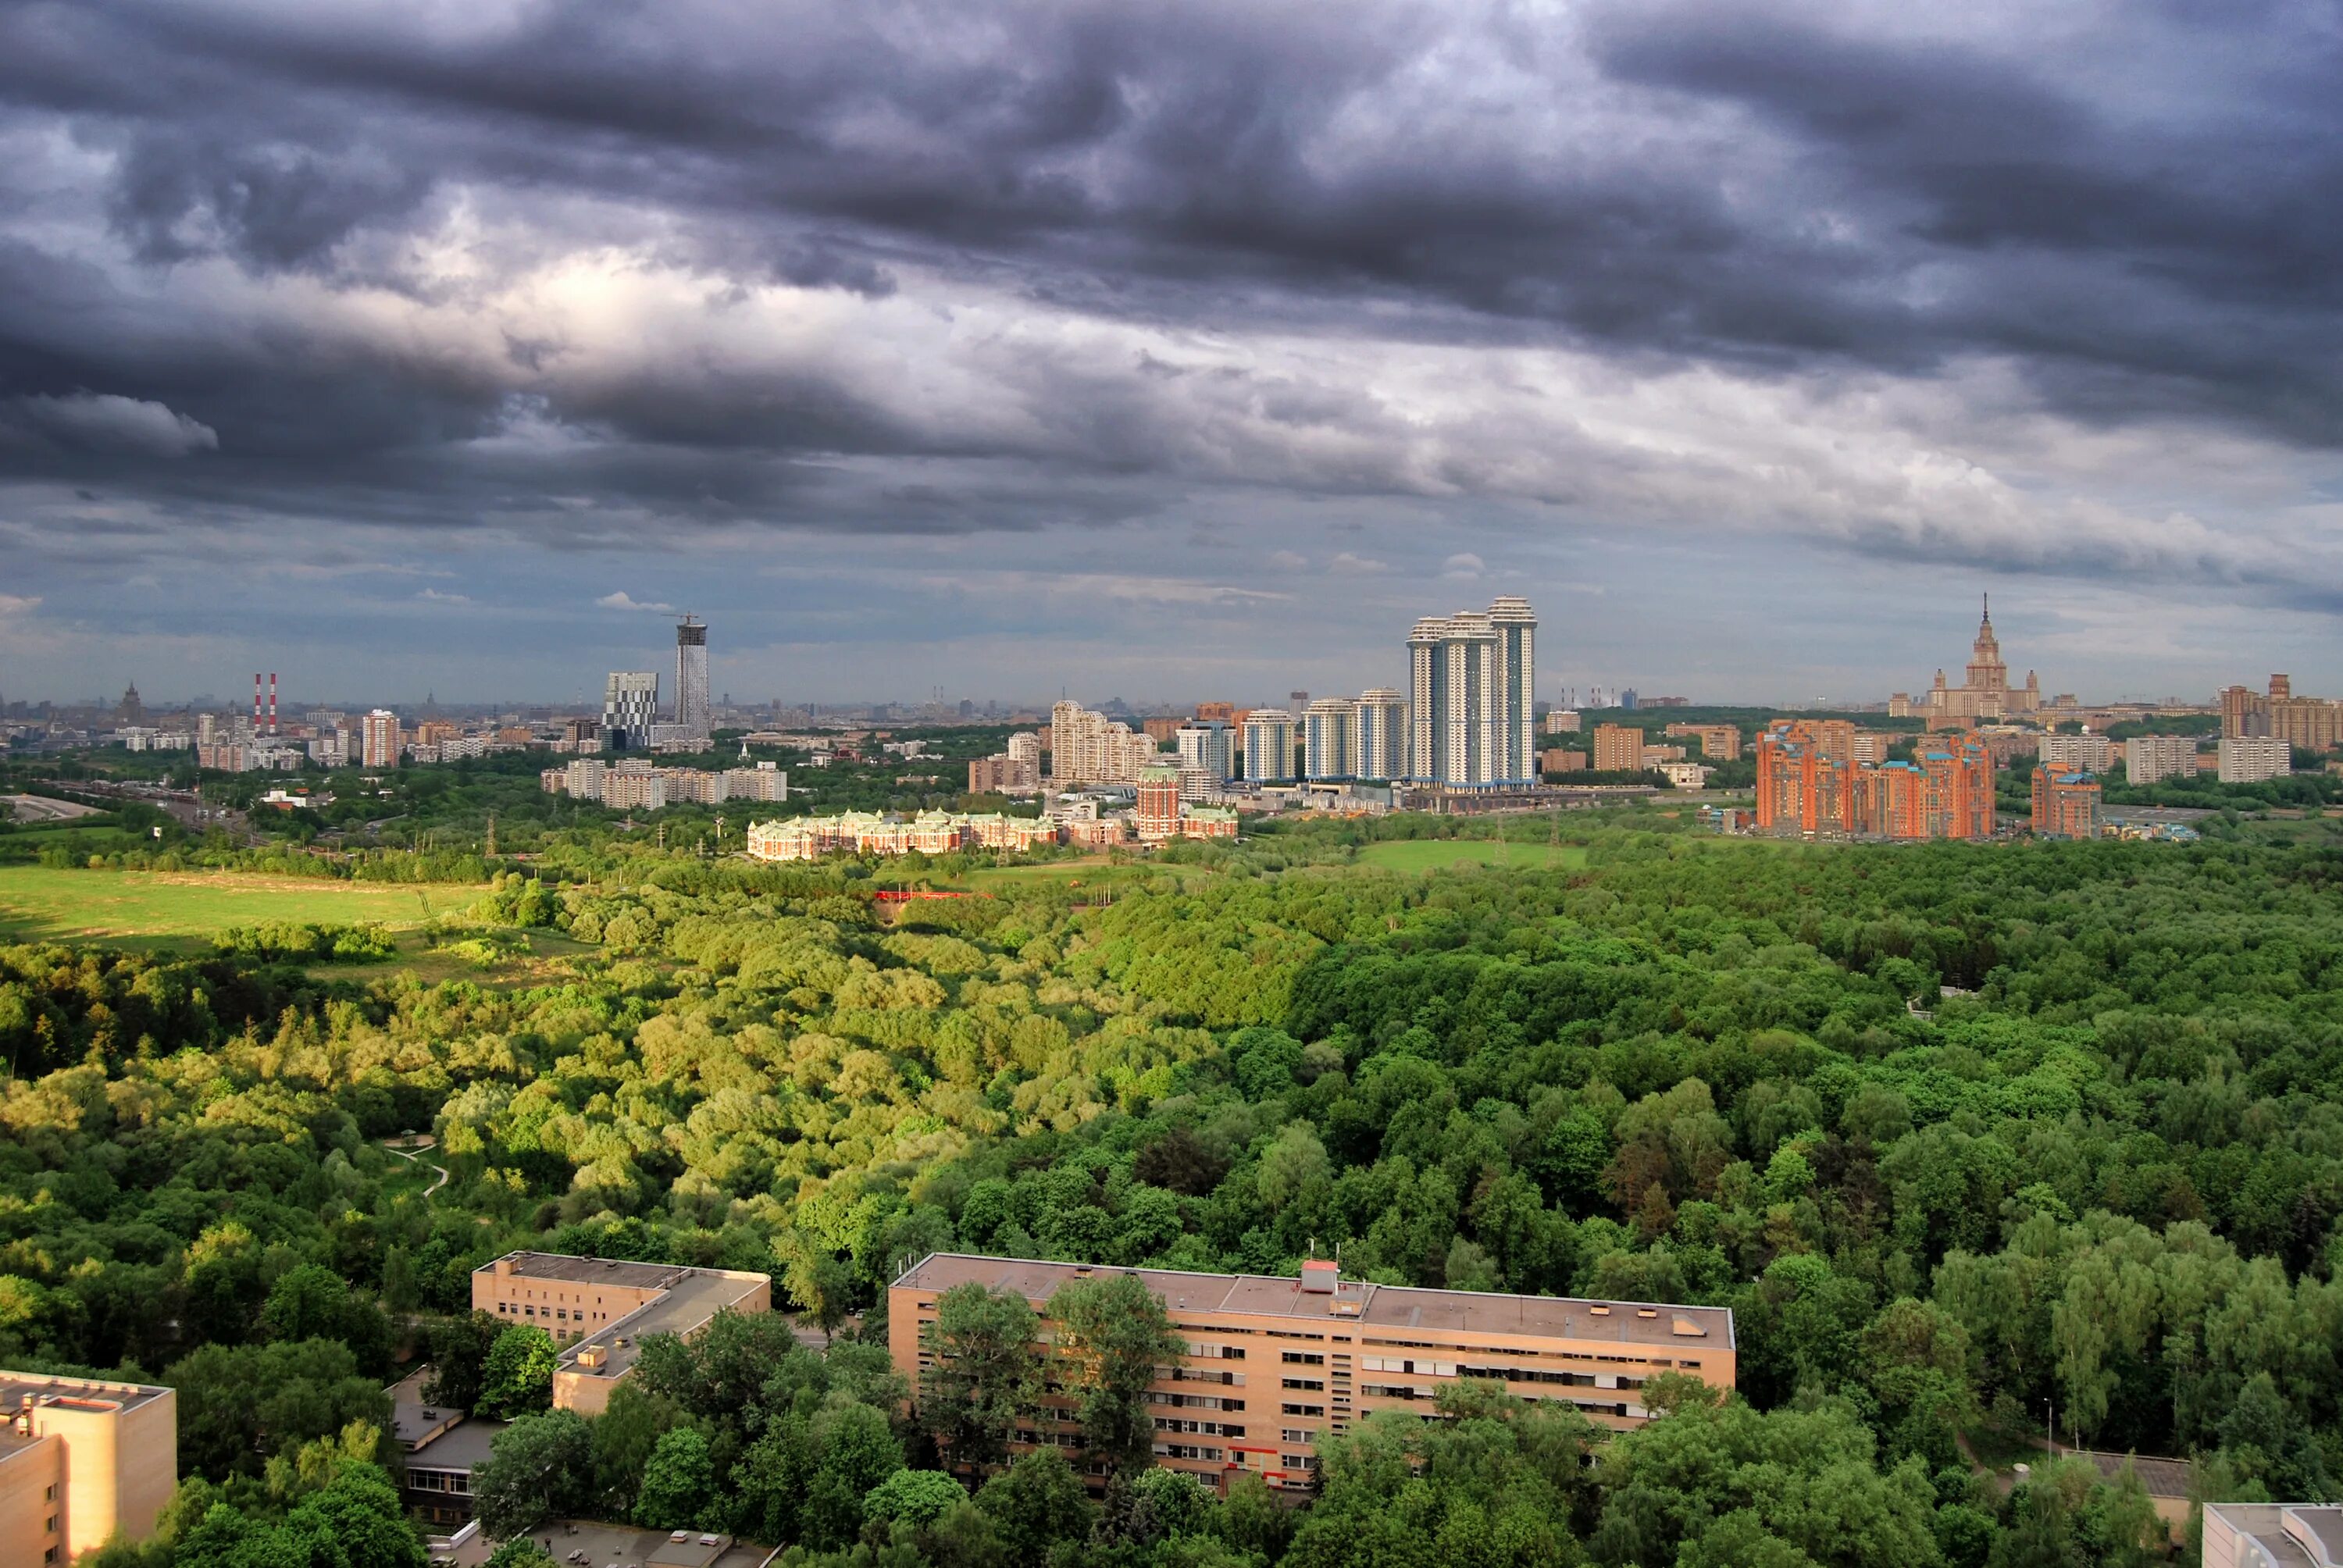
[[1275, 1366], [1815, 779], [81, 1458], [597, 1311]]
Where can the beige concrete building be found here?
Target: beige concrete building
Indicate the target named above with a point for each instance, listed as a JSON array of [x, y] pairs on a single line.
[[2273, 1536], [597, 1311], [81, 1458], [1276, 1366]]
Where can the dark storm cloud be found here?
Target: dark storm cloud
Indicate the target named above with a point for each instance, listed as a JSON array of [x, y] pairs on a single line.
[[2139, 212]]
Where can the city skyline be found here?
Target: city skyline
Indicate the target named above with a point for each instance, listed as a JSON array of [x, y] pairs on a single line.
[[1180, 345], [1910, 661]]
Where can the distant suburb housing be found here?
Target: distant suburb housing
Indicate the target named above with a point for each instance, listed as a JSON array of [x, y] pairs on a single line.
[[1276, 1366], [597, 1311]]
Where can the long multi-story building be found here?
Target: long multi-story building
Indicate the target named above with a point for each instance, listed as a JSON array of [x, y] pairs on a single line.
[[1275, 1368], [2066, 804], [1269, 745], [1330, 738], [2148, 758], [1809, 783], [636, 785], [692, 682], [1087, 747], [876, 833], [2077, 753], [1381, 722], [597, 1311], [629, 708], [82, 1459], [2251, 758], [1471, 676]]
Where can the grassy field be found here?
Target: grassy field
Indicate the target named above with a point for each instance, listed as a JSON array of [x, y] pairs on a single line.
[[1435, 854], [158, 908]]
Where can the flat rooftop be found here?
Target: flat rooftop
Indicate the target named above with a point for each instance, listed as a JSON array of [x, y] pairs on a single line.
[[578, 1270], [2290, 1535], [80, 1391], [692, 1297], [1395, 1309]]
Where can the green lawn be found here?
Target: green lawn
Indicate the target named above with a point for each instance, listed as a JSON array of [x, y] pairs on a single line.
[[1435, 854], [158, 908]]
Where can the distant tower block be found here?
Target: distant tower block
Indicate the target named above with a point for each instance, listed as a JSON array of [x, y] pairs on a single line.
[[691, 678]]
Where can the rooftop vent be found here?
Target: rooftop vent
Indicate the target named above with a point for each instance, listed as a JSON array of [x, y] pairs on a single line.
[[1600, 1312], [1689, 1329], [1648, 1311], [1320, 1275]]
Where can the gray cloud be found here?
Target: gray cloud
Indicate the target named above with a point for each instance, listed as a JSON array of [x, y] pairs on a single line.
[[630, 272]]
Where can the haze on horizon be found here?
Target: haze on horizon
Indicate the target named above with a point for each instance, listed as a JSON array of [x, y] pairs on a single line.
[[1166, 352]]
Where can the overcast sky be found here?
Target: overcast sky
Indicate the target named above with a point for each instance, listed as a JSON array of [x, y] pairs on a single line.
[[1166, 350]]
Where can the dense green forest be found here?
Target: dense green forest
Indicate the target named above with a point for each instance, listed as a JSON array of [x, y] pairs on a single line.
[[1956, 1131]]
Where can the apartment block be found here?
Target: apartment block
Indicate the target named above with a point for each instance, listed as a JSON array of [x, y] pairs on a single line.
[[597, 1311], [80, 1460], [1618, 748], [2313, 723], [1718, 742], [1330, 738], [2066, 804], [1269, 745], [880, 833], [1207, 747], [2148, 758], [1275, 1367], [1382, 733], [1002, 774], [2250, 758], [2077, 753], [1470, 716], [1809, 783], [1563, 721], [379, 738], [1087, 747], [1554, 760]]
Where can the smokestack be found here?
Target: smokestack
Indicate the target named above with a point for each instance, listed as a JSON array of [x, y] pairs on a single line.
[[272, 705], [255, 702]]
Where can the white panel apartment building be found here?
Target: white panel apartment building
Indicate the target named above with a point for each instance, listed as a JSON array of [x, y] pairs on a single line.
[[2148, 758]]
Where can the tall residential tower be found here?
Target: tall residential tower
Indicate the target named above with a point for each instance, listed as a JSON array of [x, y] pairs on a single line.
[[1470, 679]]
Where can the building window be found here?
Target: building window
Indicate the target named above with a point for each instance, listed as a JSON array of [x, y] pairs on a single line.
[[1305, 1410], [1302, 1358], [1295, 1434], [1314, 1385]]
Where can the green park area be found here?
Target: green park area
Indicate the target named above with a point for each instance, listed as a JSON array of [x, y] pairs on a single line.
[[40, 903], [1440, 854]]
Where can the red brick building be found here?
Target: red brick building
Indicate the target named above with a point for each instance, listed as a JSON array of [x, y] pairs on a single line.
[[1811, 782]]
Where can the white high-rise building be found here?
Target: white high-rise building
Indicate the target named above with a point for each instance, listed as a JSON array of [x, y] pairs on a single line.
[[2250, 758], [1269, 745], [1470, 678], [691, 680], [1330, 738], [1381, 718], [629, 708], [1207, 747]]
